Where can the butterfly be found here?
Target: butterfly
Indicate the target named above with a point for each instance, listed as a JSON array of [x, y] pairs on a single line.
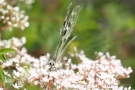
[[65, 32]]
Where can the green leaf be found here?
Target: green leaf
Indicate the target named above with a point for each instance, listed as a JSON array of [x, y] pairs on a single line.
[[2, 78], [2, 57], [6, 50]]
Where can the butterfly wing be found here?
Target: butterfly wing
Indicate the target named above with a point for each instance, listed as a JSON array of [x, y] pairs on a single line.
[[69, 23], [66, 31], [55, 53]]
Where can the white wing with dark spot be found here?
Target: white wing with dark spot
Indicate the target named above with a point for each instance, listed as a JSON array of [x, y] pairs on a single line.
[[69, 23]]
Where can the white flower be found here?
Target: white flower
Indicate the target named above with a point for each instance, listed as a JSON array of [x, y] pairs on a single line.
[[103, 73], [17, 74], [16, 86], [1, 88], [12, 17]]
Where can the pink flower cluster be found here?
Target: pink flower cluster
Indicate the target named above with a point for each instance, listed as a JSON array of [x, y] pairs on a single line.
[[103, 73]]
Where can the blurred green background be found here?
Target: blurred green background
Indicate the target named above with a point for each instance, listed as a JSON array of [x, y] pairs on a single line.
[[103, 25]]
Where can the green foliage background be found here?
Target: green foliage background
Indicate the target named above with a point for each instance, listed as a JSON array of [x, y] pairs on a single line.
[[103, 25]]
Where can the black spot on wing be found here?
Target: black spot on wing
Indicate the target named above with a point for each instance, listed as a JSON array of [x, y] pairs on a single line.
[[64, 24], [69, 24], [64, 32]]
